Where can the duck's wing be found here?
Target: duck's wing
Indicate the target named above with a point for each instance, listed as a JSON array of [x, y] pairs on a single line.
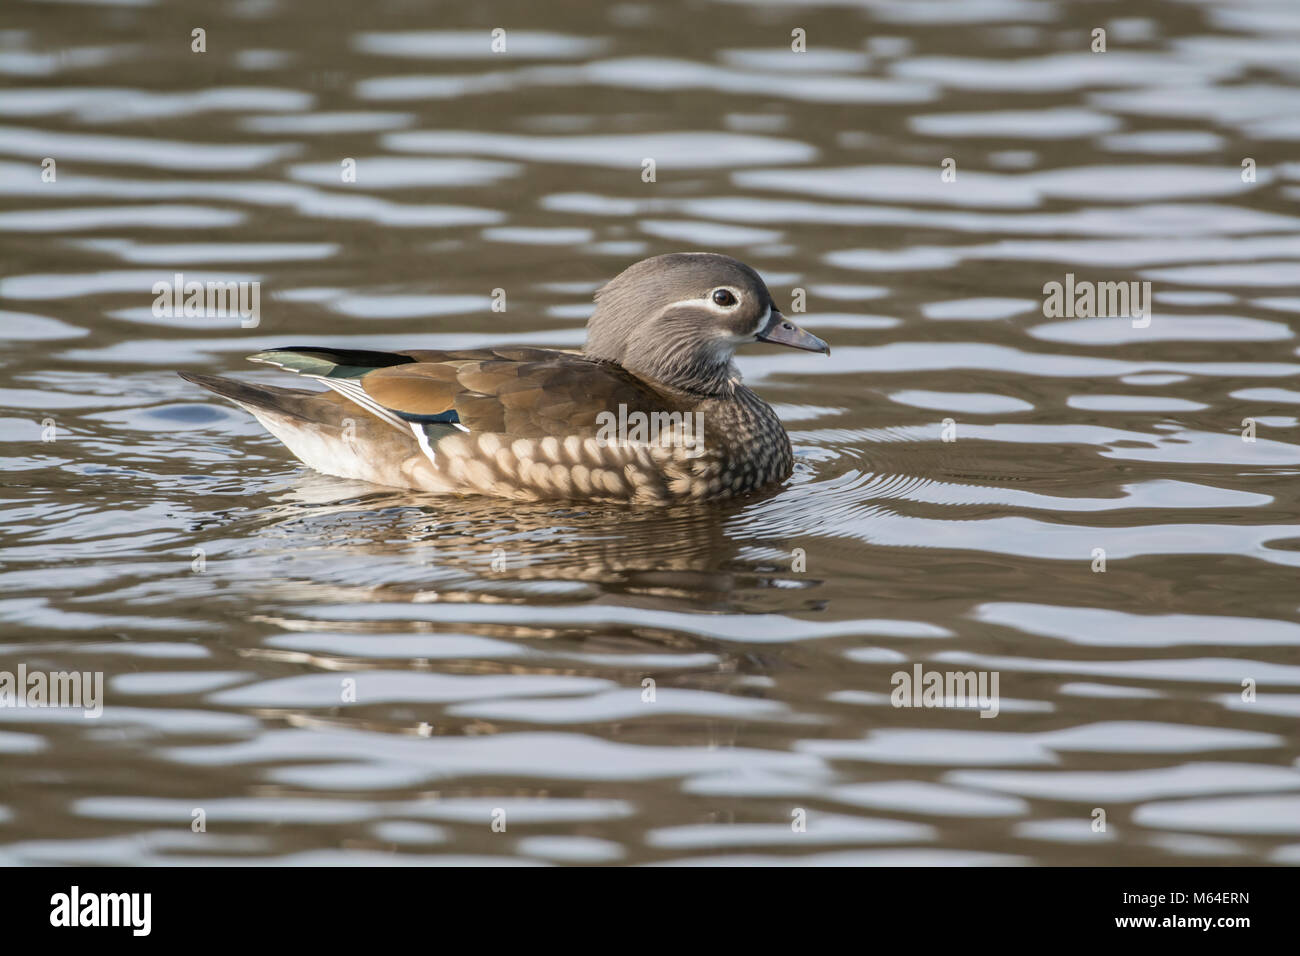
[[521, 392]]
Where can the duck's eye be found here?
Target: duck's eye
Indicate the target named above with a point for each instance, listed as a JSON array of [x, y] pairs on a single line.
[[724, 297]]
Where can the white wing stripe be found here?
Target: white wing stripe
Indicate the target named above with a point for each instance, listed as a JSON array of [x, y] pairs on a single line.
[[353, 392], [423, 439]]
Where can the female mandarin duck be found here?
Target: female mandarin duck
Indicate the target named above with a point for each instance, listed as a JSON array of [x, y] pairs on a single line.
[[651, 410]]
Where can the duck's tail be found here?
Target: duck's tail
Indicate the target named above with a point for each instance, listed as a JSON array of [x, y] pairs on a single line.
[[324, 430], [295, 402]]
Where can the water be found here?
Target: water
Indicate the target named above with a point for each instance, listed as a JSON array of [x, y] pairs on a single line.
[[496, 652]]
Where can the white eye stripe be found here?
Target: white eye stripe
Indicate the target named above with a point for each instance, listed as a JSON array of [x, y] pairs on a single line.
[[708, 303]]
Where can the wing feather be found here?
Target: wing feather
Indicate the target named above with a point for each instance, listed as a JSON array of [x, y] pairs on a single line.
[[519, 392]]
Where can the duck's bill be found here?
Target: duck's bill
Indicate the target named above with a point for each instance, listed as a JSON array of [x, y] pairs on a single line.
[[781, 331]]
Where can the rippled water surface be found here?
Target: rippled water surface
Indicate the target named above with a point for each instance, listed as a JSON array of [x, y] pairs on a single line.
[[499, 652]]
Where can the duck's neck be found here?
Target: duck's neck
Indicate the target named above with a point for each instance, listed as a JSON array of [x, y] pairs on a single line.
[[696, 381], [707, 380], [681, 365]]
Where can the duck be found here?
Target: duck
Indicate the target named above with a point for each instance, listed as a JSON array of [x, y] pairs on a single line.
[[651, 410]]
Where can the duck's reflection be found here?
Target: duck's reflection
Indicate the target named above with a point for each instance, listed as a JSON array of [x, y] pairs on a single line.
[[483, 550]]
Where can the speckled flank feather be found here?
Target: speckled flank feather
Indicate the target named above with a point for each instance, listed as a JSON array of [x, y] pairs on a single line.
[[752, 451]]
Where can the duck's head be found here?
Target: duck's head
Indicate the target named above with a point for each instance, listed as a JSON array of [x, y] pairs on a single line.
[[679, 318]]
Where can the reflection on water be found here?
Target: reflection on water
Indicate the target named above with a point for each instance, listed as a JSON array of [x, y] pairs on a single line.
[[336, 672]]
